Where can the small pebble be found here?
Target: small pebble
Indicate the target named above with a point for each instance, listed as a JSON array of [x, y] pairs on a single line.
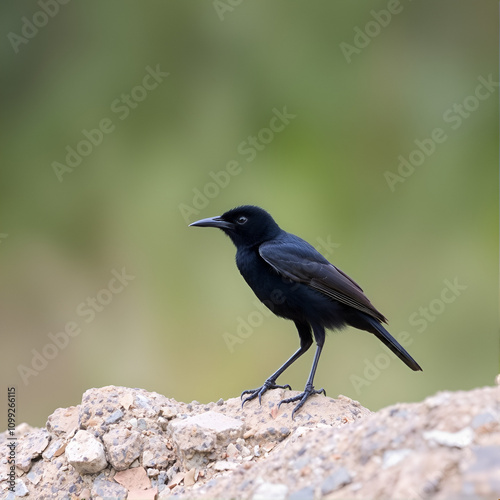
[[168, 412], [393, 457], [270, 491], [306, 493], [153, 472], [483, 419], [232, 450], [114, 417], [460, 439], [225, 465], [21, 490], [189, 478], [335, 481]]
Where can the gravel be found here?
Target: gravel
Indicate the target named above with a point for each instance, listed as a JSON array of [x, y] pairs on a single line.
[[130, 443]]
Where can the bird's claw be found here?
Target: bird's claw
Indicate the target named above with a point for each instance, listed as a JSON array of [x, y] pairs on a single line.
[[302, 397], [268, 384]]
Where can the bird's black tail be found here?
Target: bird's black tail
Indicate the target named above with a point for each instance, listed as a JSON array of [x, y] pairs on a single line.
[[383, 335]]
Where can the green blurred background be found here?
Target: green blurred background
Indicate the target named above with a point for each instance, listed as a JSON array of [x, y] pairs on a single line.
[[322, 177]]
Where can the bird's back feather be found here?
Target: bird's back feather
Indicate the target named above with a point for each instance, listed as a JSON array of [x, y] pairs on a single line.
[[297, 260]]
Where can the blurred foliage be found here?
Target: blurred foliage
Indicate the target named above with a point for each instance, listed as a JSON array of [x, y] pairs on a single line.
[[322, 176]]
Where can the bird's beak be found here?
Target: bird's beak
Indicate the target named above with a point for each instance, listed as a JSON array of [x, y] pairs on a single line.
[[213, 222]]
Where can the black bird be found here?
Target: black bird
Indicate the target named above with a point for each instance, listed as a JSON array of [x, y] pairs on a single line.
[[296, 282]]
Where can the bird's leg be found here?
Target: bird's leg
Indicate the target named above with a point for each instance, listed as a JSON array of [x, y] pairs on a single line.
[[270, 383], [309, 389]]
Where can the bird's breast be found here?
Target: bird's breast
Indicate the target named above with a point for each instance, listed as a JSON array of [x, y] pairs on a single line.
[[279, 294]]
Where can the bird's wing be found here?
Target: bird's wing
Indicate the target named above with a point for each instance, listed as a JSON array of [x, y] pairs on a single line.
[[304, 264]]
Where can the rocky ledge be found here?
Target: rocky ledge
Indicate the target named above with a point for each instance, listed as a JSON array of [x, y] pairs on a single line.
[[132, 444]]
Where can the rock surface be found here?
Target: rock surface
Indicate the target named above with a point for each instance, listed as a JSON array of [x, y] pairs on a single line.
[[86, 453], [132, 444]]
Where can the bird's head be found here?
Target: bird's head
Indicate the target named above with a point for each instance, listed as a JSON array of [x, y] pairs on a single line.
[[247, 225]]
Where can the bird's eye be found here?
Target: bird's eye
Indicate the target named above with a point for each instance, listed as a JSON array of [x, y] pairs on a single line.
[[241, 220]]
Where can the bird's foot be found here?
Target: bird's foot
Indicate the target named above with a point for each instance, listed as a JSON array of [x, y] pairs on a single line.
[[302, 397], [268, 384]]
